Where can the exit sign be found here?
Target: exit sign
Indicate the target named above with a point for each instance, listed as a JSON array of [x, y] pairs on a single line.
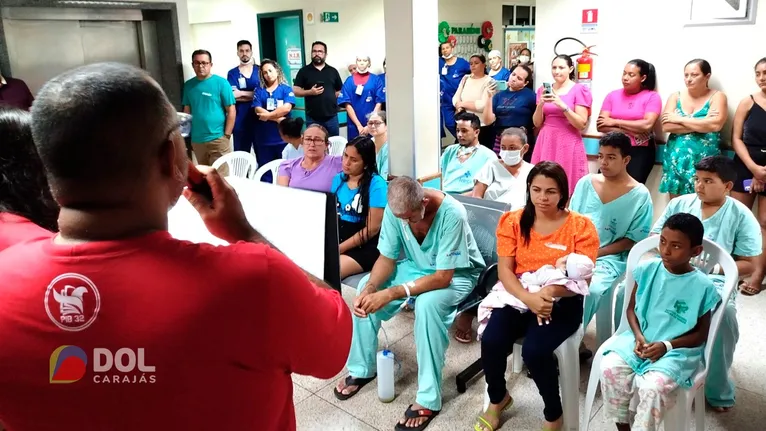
[[329, 16]]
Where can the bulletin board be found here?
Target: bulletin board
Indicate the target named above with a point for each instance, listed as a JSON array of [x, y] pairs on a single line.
[[467, 37]]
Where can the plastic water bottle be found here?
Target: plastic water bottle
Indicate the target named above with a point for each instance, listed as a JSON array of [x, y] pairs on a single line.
[[386, 376]]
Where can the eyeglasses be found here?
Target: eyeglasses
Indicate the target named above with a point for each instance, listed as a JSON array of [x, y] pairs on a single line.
[[201, 64], [315, 141], [184, 124], [374, 123]]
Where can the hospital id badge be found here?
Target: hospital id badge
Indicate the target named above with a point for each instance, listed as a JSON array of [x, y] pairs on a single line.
[[280, 103], [271, 104], [242, 82], [359, 90], [444, 71]]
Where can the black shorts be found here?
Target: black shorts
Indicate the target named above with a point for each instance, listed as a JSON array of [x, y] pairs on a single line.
[[366, 254], [758, 154]]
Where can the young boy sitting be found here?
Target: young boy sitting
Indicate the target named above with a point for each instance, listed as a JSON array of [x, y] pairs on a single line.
[[669, 315]]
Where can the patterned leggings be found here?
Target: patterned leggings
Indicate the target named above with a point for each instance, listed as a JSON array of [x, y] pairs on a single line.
[[656, 394]]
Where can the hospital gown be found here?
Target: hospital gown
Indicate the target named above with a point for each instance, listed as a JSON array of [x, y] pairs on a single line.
[[628, 216], [734, 228], [458, 177], [449, 245]]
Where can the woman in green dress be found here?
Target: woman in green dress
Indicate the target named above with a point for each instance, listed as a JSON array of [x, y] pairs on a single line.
[[694, 118]]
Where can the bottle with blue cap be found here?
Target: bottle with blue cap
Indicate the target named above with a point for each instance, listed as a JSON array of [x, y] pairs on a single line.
[[385, 379]]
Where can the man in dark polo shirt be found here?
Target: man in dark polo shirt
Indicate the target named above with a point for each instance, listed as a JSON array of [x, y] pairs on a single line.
[[14, 92], [320, 84]]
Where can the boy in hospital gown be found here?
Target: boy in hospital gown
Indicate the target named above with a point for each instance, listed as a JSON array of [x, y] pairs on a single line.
[[626, 217], [735, 229], [448, 245], [669, 318], [462, 161]]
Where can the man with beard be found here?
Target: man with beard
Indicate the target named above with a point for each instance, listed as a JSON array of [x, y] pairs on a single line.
[[193, 323], [320, 84], [244, 80], [462, 161]]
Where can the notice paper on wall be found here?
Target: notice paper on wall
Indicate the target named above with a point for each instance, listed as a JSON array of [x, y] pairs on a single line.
[[589, 21]]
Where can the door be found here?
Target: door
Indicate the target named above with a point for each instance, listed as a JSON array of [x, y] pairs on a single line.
[[281, 39]]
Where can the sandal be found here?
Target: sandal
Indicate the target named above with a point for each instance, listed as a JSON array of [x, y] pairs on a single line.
[[465, 337], [415, 414], [748, 289], [352, 381], [482, 423]]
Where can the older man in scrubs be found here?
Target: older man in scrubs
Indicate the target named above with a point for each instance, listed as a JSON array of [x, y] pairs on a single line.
[[621, 208], [441, 268], [732, 226]]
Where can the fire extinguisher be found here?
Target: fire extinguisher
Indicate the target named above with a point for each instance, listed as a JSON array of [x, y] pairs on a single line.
[[583, 63]]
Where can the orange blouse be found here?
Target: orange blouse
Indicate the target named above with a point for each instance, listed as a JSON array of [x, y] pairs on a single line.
[[576, 235]]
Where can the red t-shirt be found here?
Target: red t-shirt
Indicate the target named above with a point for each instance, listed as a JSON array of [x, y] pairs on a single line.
[[15, 229], [153, 333]]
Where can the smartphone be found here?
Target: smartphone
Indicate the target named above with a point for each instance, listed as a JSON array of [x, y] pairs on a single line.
[[320, 84], [202, 188], [748, 184], [502, 85], [547, 89]]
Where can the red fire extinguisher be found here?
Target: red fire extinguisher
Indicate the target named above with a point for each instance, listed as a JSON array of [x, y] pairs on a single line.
[[585, 66]]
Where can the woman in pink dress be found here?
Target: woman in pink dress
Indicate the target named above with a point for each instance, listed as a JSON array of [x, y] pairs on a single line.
[[561, 115]]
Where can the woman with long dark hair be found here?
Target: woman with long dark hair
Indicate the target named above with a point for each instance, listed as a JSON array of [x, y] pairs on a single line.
[[27, 209], [361, 194], [634, 110], [540, 234]]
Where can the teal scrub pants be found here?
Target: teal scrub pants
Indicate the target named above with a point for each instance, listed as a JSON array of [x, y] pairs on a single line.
[[719, 387], [434, 313]]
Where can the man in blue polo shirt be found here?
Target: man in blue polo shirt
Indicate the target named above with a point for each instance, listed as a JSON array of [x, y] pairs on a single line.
[[210, 100]]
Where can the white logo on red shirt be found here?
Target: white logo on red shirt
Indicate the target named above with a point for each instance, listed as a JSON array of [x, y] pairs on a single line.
[[72, 302]]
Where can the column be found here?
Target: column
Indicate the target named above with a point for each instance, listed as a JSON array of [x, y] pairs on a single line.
[[412, 88]]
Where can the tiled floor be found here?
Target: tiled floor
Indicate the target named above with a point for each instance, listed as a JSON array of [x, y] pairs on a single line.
[[317, 408]]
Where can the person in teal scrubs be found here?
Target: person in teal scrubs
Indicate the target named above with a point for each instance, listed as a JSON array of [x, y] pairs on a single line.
[[462, 161], [621, 208], [731, 225], [669, 316], [441, 267], [378, 127]]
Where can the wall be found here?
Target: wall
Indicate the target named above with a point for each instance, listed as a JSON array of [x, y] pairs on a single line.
[[184, 33]]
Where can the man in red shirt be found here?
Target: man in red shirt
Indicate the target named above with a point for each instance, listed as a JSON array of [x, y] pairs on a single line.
[[114, 325]]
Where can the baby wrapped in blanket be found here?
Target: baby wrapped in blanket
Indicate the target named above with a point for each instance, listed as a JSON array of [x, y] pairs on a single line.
[[571, 271]]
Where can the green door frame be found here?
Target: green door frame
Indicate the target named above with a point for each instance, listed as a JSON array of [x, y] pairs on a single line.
[[281, 14]]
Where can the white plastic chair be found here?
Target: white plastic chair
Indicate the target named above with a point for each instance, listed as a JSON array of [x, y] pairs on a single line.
[[568, 356], [677, 418], [337, 145], [241, 164], [272, 166], [605, 315]]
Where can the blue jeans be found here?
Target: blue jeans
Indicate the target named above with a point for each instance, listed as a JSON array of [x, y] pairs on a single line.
[[265, 154], [332, 125]]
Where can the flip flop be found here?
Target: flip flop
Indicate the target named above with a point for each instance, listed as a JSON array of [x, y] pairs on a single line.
[[465, 337], [415, 414], [352, 381], [747, 289], [481, 422]]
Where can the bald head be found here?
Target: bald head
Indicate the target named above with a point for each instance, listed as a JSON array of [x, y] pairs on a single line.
[[99, 124]]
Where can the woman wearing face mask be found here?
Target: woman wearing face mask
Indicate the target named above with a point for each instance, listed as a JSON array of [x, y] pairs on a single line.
[[452, 69], [512, 107], [360, 97], [472, 93], [505, 180], [361, 195], [291, 131], [749, 142], [273, 101], [525, 59], [694, 118], [496, 69], [376, 123], [561, 116], [634, 110]]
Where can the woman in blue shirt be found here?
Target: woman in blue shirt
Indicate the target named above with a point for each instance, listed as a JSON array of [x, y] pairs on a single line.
[[513, 107], [361, 194], [272, 102]]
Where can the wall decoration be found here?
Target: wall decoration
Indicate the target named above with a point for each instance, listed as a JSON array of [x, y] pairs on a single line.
[[516, 39], [468, 39], [721, 12]]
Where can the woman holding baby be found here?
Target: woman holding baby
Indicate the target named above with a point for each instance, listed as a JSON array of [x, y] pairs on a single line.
[[544, 233]]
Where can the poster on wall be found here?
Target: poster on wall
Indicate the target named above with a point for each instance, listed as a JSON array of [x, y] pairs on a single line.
[[294, 58], [469, 38], [516, 39]]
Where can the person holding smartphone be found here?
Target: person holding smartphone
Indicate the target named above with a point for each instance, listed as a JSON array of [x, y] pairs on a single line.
[[512, 107], [320, 84]]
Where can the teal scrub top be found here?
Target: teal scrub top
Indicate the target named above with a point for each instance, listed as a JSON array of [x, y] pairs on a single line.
[[667, 307], [733, 227], [458, 177], [208, 100], [629, 216], [449, 243], [381, 159]]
